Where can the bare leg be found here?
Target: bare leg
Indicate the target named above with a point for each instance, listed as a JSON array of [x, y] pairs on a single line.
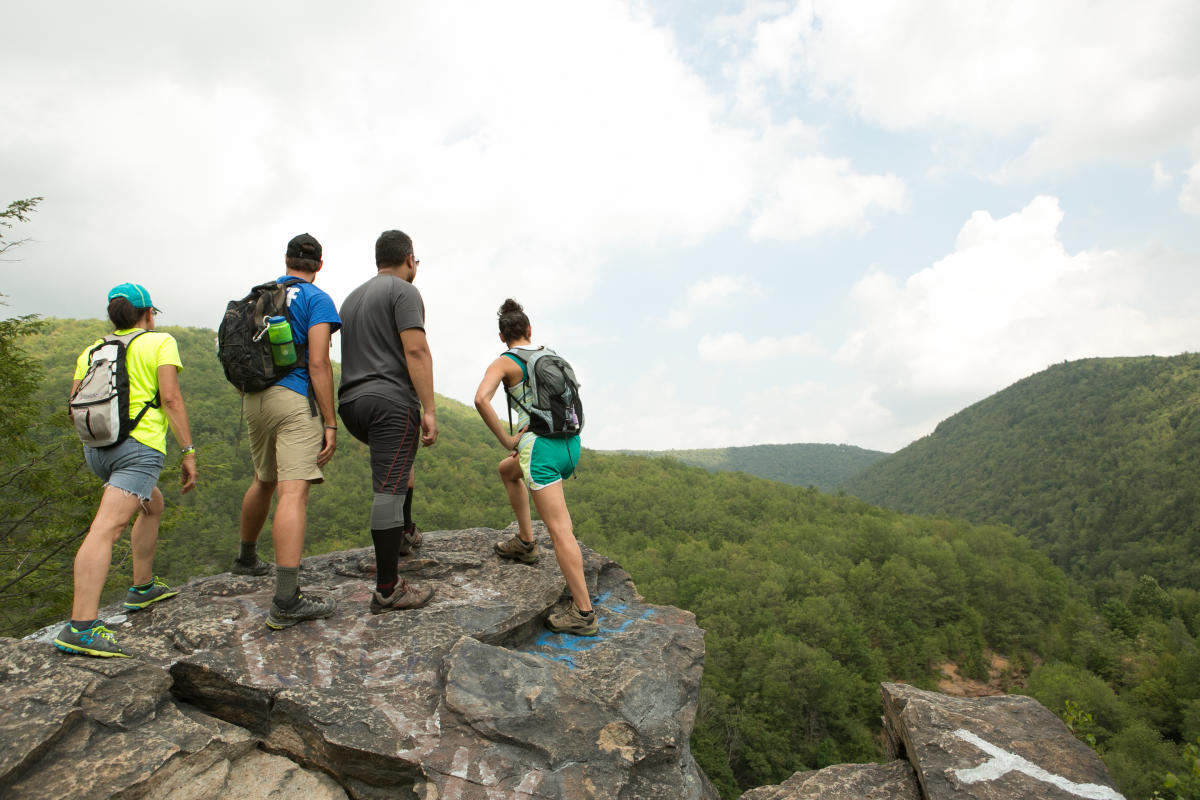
[[144, 537], [291, 513], [95, 554], [552, 508], [256, 504], [514, 487]]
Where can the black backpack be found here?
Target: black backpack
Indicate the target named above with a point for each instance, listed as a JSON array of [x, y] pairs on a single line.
[[100, 404], [242, 343], [551, 394]]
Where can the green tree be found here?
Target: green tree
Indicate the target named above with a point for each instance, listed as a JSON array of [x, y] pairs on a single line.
[[41, 515], [17, 211]]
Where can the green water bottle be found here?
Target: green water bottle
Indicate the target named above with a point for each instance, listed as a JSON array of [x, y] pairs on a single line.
[[283, 349]]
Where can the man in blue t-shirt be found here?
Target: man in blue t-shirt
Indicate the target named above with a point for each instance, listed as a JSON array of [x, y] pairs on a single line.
[[293, 433]]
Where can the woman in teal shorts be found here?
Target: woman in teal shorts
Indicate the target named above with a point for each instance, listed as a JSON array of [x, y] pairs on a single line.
[[542, 464]]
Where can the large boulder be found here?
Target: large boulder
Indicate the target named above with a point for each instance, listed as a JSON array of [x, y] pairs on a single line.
[[991, 748], [469, 697], [958, 748]]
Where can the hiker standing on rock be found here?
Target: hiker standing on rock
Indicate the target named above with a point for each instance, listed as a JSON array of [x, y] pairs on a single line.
[[134, 399], [293, 433], [386, 400], [543, 459]]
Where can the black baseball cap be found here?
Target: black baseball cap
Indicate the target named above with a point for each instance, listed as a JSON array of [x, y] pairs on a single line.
[[304, 246]]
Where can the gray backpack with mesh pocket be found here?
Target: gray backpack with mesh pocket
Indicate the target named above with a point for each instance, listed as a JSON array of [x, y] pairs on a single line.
[[551, 396], [100, 404]]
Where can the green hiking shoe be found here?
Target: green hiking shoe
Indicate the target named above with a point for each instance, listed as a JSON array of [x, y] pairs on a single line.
[[301, 608], [259, 567], [137, 599], [95, 641], [517, 550], [572, 620]]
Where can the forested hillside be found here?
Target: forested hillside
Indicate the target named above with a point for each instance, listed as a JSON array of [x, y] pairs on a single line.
[[808, 600], [1096, 461], [823, 466]]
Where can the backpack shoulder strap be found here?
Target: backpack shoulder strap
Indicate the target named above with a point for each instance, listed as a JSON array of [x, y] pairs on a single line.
[[111, 338], [512, 353], [517, 356], [153, 402]]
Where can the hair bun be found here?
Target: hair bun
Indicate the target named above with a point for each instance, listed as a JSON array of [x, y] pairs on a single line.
[[510, 306]]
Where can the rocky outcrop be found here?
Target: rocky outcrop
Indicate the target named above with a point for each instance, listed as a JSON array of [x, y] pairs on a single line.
[[469, 697], [957, 748]]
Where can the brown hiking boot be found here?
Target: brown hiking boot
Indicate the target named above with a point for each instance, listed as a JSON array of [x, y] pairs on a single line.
[[410, 540], [404, 596], [518, 550], [572, 620]]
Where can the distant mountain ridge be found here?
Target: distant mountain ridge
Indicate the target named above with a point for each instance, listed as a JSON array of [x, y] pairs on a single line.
[[822, 466], [1096, 461]]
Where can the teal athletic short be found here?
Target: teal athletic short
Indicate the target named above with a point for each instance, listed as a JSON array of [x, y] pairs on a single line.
[[545, 462]]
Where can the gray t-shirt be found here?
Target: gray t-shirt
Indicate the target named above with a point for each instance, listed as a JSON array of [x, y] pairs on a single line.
[[373, 360]]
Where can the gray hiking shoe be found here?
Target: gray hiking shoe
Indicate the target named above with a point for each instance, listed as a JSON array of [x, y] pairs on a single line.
[[410, 540], [518, 550], [302, 607], [94, 641], [137, 599], [571, 620], [259, 567], [404, 596]]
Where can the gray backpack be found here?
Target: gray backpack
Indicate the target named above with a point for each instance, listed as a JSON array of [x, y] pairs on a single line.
[[100, 404], [551, 393]]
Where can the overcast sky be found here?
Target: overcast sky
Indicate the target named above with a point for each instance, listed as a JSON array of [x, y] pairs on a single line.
[[744, 223]]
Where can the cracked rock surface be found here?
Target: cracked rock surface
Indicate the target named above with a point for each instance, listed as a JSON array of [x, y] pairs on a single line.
[[469, 697]]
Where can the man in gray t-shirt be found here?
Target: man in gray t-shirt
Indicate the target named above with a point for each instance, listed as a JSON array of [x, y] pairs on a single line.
[[386, 401], [373, 359]]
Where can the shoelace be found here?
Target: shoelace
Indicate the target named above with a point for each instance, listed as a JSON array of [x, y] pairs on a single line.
[[91, 633]]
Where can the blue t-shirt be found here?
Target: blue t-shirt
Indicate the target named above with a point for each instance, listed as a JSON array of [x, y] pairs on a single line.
[[307, 306]]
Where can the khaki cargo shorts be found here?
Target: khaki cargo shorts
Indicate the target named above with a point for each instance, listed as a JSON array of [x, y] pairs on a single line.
[[285, 436]]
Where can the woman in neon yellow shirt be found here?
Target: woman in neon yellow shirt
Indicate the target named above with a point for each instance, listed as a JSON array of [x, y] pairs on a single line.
[[130, 471]]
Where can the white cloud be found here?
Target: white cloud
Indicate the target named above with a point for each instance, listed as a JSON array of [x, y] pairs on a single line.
[[1087, 80], [817, 411], [1162, 178], [1189, 195], [734, 347], [802, 411], [816, 195], [1010, 301], [519, 146], [702, 295]]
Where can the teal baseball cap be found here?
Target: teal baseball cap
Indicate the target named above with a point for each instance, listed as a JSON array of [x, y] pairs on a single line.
[[135, 293]]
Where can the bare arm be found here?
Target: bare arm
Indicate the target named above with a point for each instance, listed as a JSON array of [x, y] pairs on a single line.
[[496, 373], [420, 370], [320, 372], [74, 389], [172, 404]]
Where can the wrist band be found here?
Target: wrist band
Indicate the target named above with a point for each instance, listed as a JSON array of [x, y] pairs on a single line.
[[190, 449], [331, 427]]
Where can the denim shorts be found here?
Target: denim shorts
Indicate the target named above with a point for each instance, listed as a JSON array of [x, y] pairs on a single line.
[[130, 466]]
